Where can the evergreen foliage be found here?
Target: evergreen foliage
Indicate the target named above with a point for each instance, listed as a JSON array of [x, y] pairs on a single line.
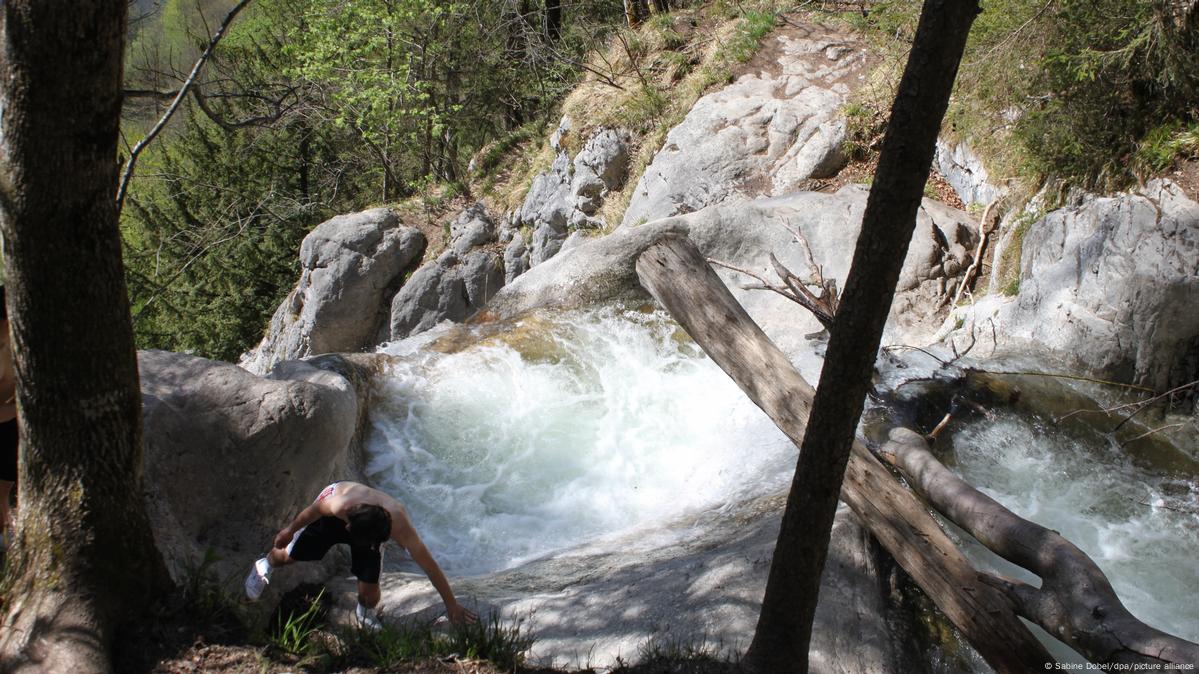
[[1098, 93]]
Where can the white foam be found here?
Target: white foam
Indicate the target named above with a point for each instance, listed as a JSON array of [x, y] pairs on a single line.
[[501, 459], [1145, 541]]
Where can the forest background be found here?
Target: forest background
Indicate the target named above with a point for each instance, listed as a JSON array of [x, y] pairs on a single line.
[[312, 108]]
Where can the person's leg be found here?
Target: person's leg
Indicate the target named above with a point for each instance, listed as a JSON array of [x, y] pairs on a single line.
[[368, 594], [367, 565]]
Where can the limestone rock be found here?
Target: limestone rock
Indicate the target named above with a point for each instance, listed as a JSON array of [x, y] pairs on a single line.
[[516, 257], [454, 286], [571, 192], [1111, 285], [744, 233], [705, 588], [473, 227], [350, 266], [965, 172], [764, 134], [231, 457]]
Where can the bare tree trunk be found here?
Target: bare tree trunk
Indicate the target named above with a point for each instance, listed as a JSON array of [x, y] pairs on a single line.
[[1075, 602], [780, 643], [553, 20], [84, 557], [675, 273], [659, 6]]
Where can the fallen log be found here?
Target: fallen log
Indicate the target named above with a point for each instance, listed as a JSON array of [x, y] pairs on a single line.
[[676, 274], [1075, 603]]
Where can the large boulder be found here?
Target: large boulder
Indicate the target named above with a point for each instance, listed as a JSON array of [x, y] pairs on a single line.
[[744, 233], [1110, 284], [569, 195], [764, 134], [455, 285], [350, 267], [231, 457]]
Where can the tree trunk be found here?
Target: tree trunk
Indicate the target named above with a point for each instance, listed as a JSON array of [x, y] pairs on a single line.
[[634, 12], [780, 643], [553, 20], [1075, 602], [84, 557], [659, 6], [676, 275]]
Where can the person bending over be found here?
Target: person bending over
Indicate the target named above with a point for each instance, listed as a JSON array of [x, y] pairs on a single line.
[[363, 518]]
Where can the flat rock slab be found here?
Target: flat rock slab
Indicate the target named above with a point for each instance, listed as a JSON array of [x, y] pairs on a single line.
[[697, 582], [762, 135]]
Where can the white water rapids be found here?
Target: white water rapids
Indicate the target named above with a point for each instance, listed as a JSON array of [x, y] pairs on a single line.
[[571, 427]]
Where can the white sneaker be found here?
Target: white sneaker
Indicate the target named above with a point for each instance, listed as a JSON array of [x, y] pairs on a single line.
[[259, 578], [367, 619]]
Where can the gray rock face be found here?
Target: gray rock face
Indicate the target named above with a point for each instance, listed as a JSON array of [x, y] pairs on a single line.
[[965, 172], [516, 257], [454, 286], [473, 227], [1112, 285], [706, 587], [744, 233], [763, 134], [230, 456], [569, 195], [350, 267]]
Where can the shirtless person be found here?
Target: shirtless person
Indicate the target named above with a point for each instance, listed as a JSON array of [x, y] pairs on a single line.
[[363, 518]]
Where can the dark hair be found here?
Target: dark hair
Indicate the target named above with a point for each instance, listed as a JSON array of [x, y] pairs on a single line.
[[370, 525]]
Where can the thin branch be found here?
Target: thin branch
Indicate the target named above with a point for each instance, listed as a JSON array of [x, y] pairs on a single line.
[[127, 174]]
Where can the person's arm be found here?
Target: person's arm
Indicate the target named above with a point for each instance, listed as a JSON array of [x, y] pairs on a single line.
[[407, 537], [307, 516]]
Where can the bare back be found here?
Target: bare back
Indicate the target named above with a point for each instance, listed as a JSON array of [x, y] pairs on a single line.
[[346, 495]]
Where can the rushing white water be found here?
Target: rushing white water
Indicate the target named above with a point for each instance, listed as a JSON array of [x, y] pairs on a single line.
[[608, 421], [1141, 528], [566, 428]]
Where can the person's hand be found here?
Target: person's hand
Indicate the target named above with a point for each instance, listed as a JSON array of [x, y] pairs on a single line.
[[459, 614], [283, 537]]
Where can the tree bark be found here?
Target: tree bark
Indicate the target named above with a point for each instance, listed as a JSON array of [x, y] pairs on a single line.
[[84, 557], [780, 643], [634, 12], [659, 6], [553, 20], [676, 274], [1075, 602]]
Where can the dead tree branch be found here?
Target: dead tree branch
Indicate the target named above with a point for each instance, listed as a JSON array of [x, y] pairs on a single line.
[[131, 162], [1075, 602], [823, 305]]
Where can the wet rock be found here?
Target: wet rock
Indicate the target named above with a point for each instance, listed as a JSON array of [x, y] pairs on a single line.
[[350, 266]]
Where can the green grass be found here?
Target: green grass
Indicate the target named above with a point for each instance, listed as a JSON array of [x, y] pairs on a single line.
[[293, 634], [504, 644]]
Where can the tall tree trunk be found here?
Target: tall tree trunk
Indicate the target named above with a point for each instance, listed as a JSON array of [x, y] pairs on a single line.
[[659, 6], [84, 557], [553, 20], [780, 643]]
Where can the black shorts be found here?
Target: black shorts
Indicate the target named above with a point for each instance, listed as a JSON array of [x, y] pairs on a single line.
[[314, 541], [8, 451]]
